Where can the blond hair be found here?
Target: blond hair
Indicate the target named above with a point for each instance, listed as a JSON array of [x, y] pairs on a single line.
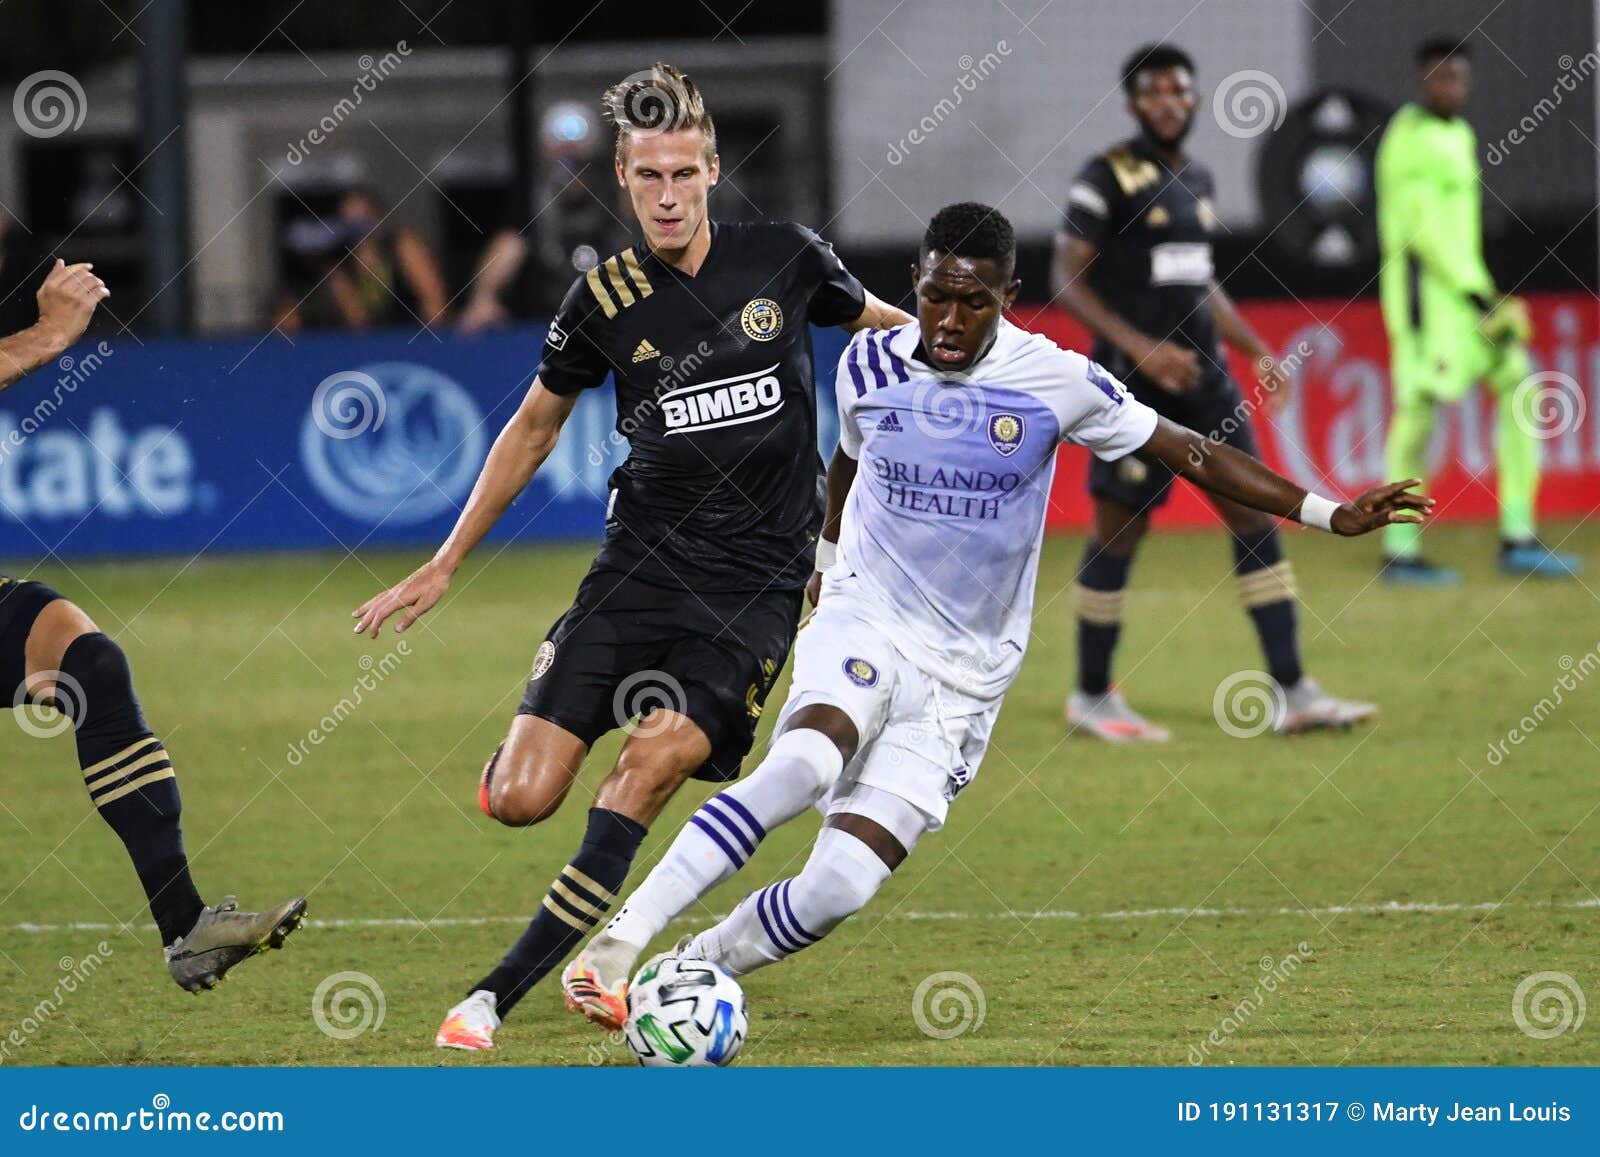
[[660, 99]]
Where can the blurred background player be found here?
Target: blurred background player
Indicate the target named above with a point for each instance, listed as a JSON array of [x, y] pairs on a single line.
[[901, 673], [1134, 265], [1448, 326], [689, 610], [52, 653]]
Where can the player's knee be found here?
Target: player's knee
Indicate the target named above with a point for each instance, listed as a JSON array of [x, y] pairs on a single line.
[[94, 687], [521, 797], [833, 885], [818, 723]]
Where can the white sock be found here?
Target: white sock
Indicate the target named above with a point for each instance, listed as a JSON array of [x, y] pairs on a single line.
[[801, 765], [781, 919]]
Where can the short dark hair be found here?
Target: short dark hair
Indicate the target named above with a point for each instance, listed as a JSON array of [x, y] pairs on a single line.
[[1153, 58], [971, 229], [1438, 48]]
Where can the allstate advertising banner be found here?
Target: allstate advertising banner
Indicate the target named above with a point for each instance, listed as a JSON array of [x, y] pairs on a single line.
[[176, 447]]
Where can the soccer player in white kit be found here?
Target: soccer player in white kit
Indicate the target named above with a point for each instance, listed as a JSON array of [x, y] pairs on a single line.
[[936, 508]]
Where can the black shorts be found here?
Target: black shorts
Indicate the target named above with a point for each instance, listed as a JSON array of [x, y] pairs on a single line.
[[1214, 408], [627, 646], [20, 604]]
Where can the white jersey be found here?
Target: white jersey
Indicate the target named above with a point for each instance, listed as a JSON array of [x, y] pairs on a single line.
[[943, 525]]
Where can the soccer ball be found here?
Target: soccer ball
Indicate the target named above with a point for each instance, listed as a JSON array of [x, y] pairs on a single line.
[[685, 1013]]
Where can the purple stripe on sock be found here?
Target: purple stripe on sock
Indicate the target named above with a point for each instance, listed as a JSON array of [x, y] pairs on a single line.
[[767, 924], [744, 813], [733, 829], [774, 894], [717, 839], [789, 911]]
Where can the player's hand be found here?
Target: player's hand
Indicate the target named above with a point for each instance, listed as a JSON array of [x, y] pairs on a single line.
[[67, 300], [412, 599], [1171, 367], [1275, 382], [1506, 321], [481, 313], [814, 587], [1381, 506]]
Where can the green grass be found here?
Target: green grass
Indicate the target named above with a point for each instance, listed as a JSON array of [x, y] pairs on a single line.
[[237, 658]]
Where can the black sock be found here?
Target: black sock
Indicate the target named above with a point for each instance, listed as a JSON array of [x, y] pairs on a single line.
[[1266, 587], [1101, 579], [129, 777], [574, 906]]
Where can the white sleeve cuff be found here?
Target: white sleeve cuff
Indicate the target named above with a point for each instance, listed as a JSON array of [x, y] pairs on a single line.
[[827, 555]]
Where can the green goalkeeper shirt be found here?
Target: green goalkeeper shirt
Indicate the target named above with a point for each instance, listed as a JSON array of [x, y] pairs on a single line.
[[1430, 221]]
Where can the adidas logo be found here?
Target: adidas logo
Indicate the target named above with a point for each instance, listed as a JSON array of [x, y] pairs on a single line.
[[644, 351], [892, 422]]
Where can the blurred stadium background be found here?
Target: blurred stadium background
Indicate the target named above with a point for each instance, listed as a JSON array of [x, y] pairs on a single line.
[[292, 204]]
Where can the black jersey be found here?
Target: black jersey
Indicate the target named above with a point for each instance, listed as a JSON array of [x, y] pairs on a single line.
[[1153, 228], [716, 399]]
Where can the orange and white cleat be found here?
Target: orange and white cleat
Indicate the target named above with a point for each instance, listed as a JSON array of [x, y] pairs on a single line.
[[1109, 717], [585, 992], [469, 1025]]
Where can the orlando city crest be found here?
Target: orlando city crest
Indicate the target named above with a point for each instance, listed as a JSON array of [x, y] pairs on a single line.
[[860, 672], [1005, 433], [761, 319]]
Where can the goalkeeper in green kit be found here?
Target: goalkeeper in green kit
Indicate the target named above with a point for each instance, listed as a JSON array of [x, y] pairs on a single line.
[[1448, 327]]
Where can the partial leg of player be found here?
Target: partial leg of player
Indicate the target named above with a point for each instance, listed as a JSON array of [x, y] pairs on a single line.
[[67, 661]]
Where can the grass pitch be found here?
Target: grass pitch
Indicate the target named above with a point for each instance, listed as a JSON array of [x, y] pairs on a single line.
[[1374, 897]]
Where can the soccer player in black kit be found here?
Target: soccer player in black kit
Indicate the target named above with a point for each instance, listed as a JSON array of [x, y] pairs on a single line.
[[52, 653], [1133, 263], [688, 612]]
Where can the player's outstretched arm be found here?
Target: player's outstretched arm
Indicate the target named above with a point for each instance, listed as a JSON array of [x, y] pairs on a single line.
[[1233, 474], [878, 314], [841, 475], [66, 303], [519, 451]]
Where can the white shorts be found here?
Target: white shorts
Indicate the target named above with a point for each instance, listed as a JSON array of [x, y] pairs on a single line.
[[920, 739]]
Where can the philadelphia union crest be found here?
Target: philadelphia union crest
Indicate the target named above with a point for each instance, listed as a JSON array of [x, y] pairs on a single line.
[[1005, 433], [761, 319]]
